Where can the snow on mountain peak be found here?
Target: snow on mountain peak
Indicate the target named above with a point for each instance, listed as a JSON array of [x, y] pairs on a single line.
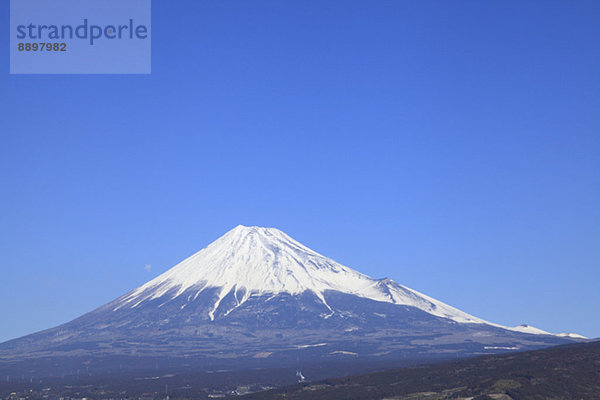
[[256, 260]]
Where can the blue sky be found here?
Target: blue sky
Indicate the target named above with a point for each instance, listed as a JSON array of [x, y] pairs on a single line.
[[451, 146]]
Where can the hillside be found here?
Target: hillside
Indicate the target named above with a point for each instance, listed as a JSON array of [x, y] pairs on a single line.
[[562, 372]]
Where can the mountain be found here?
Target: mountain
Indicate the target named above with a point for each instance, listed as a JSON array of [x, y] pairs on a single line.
[[257, 298]]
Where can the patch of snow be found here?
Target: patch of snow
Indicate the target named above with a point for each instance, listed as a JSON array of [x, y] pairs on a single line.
[[349, 353], [500, 348], [571, 335], [305, 346]]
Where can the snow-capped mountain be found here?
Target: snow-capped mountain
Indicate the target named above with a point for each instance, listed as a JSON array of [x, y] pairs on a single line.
[[255, 296], [254, 261]]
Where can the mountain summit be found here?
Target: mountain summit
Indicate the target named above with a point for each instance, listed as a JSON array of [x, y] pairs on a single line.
[[256, 297], [251, 261]]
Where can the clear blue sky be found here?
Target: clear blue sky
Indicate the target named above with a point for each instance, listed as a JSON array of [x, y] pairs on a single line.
[[451, 146]]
